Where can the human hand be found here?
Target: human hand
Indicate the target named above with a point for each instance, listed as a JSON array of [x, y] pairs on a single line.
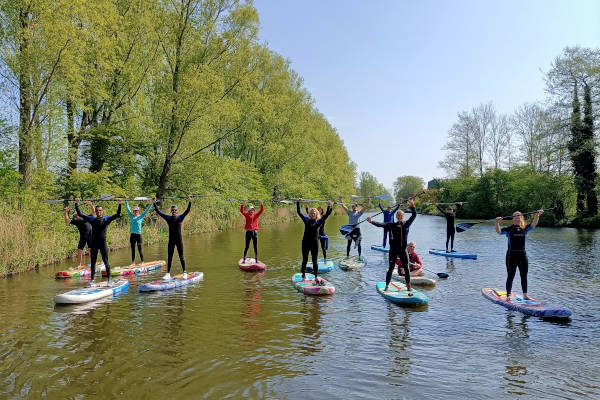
[[77, 199], [190, 197], [89, 203], [329, 203], [370, 220], [498, 219], [153, 200], [540, 212], [119, 200]]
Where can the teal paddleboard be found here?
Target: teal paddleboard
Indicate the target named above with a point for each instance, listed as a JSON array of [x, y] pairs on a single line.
[[380, 248], [454, 254], [324, 266], [398, 294]]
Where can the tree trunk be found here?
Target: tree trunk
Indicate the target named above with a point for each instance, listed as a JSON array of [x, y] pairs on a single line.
[[25, 103]]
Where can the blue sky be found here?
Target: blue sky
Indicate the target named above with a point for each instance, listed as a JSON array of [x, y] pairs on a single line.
[[392, 75]]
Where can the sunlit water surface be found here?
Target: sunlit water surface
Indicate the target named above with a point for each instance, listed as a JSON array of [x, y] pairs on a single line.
[[251, 335]]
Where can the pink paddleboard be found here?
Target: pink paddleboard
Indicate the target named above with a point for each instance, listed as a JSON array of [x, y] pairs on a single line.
[[251, 265]]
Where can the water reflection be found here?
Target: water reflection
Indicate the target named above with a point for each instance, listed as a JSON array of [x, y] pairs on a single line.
[[398, 320], [311, 308], [518, 345], [250, 315], [450, 264]]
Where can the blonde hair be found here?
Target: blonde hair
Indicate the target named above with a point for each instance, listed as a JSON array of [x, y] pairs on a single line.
[[412, 244], [401, 214], [316, 211], [522, 222]]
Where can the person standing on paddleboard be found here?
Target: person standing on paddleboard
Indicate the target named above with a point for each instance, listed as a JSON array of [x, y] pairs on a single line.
[[516, 257], [310, 239], [174, 221], [398, 242], [450, 214], [99, 223], [135, 229], [251, 227], [353, 217], [388, 216], [85, 233], [323, 238]]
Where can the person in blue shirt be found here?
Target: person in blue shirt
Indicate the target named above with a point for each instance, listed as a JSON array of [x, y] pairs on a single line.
[[135, 229], [388, 217], [516, 257], [353, 217]]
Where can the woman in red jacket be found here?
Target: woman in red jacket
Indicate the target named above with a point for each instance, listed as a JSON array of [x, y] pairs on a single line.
[[251, 227]]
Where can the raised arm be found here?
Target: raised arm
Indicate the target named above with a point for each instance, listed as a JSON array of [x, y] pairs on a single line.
[[187, 210], [343, 205], [92, 208], [498, 230], [413, 213], [162, 214], [536, 219], [261, 209], [78, 211], [67, 219], [396, 209], [146, 211], [366, 206], [440, 208], [117, 215], [128, 210], [243, 208], [378, 224], [302, 216], [328, 212], [380, 207]]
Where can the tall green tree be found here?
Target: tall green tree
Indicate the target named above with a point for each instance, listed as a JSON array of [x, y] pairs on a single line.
[[407, 185]]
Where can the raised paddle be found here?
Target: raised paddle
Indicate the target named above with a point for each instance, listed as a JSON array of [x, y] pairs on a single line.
[[384, 196], [463, 226]]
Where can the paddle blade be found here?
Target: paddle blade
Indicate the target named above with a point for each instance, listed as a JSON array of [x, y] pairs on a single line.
[[384, 196], [346, 229], [443, 275], [463, 226]]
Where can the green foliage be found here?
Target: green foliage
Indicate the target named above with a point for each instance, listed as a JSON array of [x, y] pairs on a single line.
[[369, 186], [407, 185]]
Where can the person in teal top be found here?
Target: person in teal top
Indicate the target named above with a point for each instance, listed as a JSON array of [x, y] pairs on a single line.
[[135, 229]]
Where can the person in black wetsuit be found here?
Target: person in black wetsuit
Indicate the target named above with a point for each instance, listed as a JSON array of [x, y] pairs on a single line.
[[398, 242], [85, 233], [450, 230], [323, 238], [310, 240], [516, 257], [99, 223], [174, 221], [353, 219]]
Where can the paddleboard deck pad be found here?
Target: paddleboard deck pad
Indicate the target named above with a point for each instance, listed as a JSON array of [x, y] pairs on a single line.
[[400, 296], [456, 254], [537, 308], [251, 265], [309, 286], [380, 248], [352, 263], [175, 282], [80, 272], [85, 295], [143, 268], [324, 266], [415, 279]]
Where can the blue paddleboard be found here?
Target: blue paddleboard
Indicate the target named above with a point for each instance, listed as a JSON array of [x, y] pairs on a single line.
[[380, 248], [324, 266], [517, 302], [456, 254], [398, 294]]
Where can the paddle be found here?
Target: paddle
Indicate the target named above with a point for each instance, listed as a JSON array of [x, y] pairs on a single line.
[[384, 196], [400, 289], [441, 275], [346, 229], [463, 226]]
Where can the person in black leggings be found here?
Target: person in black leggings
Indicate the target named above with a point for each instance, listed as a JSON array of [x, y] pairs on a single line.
[[353, 219], [516, 256], [450, 230], [99, 224], [398, 242], [310, 240], [323, 238], [174, 221]]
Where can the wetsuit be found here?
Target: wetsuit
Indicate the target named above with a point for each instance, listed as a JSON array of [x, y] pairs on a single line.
[[99, 226], [174, 235], [355, 234], [310, 240], [388, 216], [323, 238], [516, 255], [398, 242], [135, 231], [252, 229], [450, 231], [85, 233]]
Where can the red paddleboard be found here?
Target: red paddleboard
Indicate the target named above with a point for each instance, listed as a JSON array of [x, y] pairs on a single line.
[[251, 265]]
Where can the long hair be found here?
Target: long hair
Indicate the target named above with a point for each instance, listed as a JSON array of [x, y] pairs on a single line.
[[401, 219], [522, 222], [316, 211]]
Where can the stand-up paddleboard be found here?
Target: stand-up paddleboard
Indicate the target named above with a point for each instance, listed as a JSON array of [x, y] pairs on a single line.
[[537, 308], [174, 282], [418, 279], [455, 254], [79, 272], [309, 286], [380, 248], [398, 294], [84, 295], [142, 268], [251, 265], [352, 263], [324, 266]]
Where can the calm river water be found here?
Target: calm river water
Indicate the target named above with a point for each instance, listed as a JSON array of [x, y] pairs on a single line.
[[247, 335]]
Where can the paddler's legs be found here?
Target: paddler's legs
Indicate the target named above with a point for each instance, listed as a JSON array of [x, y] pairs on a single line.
[[523, 264], [314, 251], [404, 258], [104, 253], [511, 270], [179, 245], [170, 247], [140, 244], [305, 250], [93, 258], [385, 235], [447, 240], [323, 247], [136, 238], [451, 240], [393, 254], [348, 247], [255, 244], [248, 237], [132, 245]]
